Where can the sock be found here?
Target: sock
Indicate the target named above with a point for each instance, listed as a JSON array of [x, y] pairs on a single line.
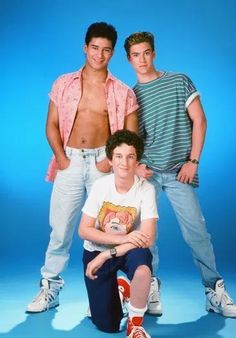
[[136, 314]]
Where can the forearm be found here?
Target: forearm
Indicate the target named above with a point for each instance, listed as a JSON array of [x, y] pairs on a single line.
[[55, 142], [198, 137], [121, 250], [98, 236]]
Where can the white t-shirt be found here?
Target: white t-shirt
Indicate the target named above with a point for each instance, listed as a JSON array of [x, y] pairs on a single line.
[[119, 213]]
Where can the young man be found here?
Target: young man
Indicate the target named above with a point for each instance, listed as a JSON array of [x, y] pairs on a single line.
[[173, 125], [85, 108], [118, 225]]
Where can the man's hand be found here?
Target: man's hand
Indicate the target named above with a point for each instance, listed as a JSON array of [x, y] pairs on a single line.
[[95, 264], [187, 173], [143, 171], [103, 166], [63, 163], [137, 238]]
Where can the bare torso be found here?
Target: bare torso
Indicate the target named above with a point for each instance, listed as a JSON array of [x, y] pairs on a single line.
[[91, 125]]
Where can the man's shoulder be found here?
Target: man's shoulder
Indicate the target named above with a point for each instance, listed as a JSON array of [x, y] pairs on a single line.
[[68, 77], [178, 76], [104, 180], [118, 83], [144, 183]]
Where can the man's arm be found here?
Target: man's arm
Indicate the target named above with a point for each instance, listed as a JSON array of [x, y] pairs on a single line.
[[54, 137], [131, 122], [196, 114], [147, 227], [88, 231]]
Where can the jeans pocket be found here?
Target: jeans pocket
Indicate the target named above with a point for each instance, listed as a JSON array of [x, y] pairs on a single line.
[[100, 155]]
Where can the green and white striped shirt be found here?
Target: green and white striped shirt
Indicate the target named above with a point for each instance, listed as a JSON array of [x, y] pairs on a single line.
[[164, 123]]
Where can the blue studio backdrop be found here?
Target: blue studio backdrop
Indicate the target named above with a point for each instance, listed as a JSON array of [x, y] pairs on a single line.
[[42, 39]]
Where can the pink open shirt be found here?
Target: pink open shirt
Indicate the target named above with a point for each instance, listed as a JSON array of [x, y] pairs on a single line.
[[66, 94]]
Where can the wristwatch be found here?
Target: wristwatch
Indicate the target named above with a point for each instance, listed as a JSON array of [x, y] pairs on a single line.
[[113, 252], [194, 161]]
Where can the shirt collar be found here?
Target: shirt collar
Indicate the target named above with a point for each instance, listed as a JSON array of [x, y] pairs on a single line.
[[78, 74]]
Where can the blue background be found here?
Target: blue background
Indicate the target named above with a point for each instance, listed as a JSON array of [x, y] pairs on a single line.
[[42, 39]]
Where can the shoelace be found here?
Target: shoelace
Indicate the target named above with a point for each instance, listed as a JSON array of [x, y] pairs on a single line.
[[138, 332], [225, 298], [154, 296], [44, 295]]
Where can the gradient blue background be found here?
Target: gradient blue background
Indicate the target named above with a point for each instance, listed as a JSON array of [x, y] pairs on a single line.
[[42, 39]]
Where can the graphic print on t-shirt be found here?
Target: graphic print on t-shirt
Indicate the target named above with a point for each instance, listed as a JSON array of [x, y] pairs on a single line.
[[116, 219]]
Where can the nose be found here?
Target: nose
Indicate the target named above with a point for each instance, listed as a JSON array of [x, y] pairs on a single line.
[[141, 58], [100, 53], [124, 161]]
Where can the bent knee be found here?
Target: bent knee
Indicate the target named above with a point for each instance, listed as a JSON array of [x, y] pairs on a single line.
[[142, 271]]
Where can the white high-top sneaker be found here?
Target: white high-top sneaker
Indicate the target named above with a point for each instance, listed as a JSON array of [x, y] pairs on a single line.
[[154, 301], [219, 301], [46, 299]]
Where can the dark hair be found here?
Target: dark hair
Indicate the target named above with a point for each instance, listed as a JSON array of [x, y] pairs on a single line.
[[101, 30], [124, 136], [136, 38]]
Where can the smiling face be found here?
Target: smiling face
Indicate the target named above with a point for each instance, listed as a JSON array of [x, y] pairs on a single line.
[[98, 53], [124, 161], [141, 57]]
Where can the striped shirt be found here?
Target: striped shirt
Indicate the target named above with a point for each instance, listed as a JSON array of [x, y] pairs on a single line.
[[164, 123]]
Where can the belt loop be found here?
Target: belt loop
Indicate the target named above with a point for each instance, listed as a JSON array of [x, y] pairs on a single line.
[[68, 151]]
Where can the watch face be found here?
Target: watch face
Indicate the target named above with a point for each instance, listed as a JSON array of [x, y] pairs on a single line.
[[113, 252]]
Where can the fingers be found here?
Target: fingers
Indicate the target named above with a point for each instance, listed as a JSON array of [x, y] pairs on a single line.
[[144, 171], [138, 238], [90, 272]]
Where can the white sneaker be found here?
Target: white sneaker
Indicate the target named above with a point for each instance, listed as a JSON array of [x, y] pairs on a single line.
[[219, 301], [46, 299], [154, 302]]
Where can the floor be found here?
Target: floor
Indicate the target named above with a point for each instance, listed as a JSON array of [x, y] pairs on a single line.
[[182, 296]]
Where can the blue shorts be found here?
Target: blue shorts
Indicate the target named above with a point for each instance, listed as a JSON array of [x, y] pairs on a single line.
[[103, 294]]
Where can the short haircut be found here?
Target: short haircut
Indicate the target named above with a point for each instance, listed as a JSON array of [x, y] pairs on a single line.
[[138, 37], [101, 30], [124, 136]]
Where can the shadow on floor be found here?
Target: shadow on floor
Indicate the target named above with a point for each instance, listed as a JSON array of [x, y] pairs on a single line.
[[40, 326]]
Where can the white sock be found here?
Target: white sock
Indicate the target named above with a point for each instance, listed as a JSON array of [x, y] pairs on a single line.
[[136, 312]]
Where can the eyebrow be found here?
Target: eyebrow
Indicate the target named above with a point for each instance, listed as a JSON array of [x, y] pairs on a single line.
[[93, 45], [118, 153], [146, 50]]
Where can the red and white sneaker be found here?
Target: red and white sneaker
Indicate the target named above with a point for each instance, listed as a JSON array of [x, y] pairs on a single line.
[[135, 329], [124, 292]]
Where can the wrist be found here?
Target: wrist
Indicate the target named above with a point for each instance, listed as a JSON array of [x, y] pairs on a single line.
[[113, 252], [194, 161]]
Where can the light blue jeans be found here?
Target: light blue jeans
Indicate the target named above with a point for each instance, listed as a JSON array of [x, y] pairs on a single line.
[[186, 206], [68, 196]]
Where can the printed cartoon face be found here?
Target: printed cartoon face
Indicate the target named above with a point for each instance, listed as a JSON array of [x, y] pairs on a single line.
[[116, 219], [120, 222]]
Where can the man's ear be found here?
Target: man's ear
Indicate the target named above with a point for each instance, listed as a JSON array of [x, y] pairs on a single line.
[[110, 162], [85, 47]]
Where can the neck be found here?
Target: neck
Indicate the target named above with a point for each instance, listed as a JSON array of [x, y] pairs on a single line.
[[152, 75], [93, 75], [123, 185]]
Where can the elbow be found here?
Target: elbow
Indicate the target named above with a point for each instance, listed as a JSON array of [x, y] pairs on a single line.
[[81, 233], [151, 242], [204, 123]]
